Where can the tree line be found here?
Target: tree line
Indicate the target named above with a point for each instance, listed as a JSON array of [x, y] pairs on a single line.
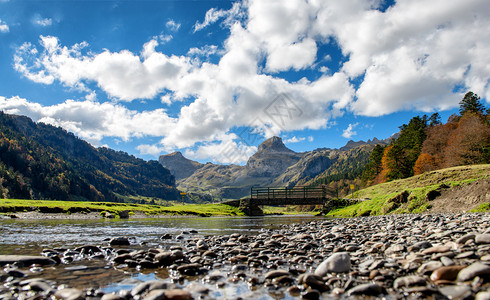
[[426, 144], [39, 161]]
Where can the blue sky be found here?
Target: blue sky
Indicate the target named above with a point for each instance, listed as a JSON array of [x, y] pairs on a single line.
[[213, 79]]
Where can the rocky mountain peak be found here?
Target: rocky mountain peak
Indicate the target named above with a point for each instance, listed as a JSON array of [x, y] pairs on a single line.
[[178, 165], [273, 144]]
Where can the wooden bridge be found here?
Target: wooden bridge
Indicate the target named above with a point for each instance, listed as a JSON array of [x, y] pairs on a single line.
[[260, 196]]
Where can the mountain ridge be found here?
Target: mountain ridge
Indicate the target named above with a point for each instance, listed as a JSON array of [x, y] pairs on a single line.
[[272, 165], [40, 161]]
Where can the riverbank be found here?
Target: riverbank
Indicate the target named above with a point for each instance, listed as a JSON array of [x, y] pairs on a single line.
[[440, 256], [87, 210], [452, 190]]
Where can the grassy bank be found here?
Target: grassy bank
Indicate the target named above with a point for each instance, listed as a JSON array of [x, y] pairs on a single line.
[[69, 207], [411, 195]]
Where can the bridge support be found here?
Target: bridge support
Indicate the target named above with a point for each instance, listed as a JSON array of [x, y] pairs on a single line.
[[249, 208]]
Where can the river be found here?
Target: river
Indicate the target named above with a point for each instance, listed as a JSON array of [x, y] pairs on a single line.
[[30, 237]]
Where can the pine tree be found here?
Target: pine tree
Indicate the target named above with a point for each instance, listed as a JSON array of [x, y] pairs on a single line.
[[471, 104]]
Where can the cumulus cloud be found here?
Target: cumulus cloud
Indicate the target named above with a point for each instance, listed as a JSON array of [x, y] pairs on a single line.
[[92, 120], [349, 131], [3, 26]]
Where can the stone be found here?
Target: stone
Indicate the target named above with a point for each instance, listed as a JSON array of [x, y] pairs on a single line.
[[25, 260], [111, 297], [124, 214], [119, 241], [428, 267], [470, 272], [446, 273], [337, 263], [408, 281], [482, 238], [177, 294], [69, 294], [148, 286], [369, 289], [483, 296], [276, 273], [158, 294], [456, 291], [446, 261], [436, 249], [465, 238], [313, 281], [311, 295]]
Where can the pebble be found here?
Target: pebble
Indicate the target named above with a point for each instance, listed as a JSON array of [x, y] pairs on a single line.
[[470, 272], [337, 263], [368, 289], [408, 281], [482, 238], [446, 273], [456, 291], [69, 294]]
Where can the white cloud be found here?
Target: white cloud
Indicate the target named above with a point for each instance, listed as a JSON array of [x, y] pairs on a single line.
[[349, 131], [213, 15], [91, 120], [43, 22], [310, 139], [3, 26], [153, 150], [294, 139], [172, 25], [205, 51]]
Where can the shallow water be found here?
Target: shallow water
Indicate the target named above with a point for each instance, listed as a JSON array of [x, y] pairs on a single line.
[[20, 236], [30, 237]]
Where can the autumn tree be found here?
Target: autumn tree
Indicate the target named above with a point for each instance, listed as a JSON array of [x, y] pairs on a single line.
[[469, 143]]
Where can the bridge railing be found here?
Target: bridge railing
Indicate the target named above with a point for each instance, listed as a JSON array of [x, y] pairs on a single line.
[[288, 193]]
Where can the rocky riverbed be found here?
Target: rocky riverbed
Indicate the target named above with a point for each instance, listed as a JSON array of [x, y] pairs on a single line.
[[444, 256]]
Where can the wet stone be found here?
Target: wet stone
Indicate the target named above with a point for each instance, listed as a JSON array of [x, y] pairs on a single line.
[[69, 294], [369, 289], [119, 241], [276, 273]]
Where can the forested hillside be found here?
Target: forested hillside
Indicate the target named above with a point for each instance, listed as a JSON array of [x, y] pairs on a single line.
[[39, 161], [425, 144]]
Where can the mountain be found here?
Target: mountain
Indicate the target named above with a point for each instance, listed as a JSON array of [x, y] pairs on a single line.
[[39, 161], [273, 165], [351, 144], [178, 165], [271, 159]]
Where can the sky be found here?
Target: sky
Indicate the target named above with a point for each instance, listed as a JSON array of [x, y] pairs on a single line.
[[214, 79]]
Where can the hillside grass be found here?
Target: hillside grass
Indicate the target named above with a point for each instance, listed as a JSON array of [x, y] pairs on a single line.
[[69, 207], [417, 187]]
